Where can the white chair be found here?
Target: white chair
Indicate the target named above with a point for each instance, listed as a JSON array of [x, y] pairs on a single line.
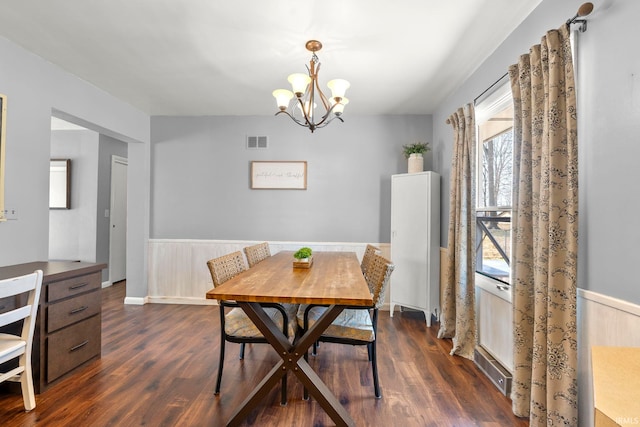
[[19, 346]]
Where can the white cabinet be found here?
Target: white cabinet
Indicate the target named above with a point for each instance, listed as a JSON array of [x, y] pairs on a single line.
[[415, 242]]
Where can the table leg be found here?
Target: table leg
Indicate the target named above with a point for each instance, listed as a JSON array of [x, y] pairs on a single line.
[[292, 360]]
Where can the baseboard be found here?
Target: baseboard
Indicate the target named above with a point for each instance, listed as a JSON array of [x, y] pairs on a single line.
[[498, 375], [106, 284], [181, 300], [135, 300]]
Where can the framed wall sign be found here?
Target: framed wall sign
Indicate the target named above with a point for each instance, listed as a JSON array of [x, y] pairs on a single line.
[[276, 175]]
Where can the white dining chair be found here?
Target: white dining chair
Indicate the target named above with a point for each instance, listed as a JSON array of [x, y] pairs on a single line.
[[13, 346]]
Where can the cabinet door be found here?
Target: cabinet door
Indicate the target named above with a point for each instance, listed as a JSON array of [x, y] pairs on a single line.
[[409, 239]]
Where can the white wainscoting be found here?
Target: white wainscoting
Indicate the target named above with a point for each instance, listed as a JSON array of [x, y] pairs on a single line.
[[495, 320], [178, 272], [602, 321]]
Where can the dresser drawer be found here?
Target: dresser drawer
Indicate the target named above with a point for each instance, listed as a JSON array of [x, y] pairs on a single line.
[[72, 346], [66, 312], [73, 286]]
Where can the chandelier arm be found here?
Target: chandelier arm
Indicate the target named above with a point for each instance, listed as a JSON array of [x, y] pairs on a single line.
[[304, 111], [323, 98], [327, 115], [294, 119], [325, 123]]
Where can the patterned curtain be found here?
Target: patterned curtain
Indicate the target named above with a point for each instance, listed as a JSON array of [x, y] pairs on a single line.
[[545, 227], [458, 318]]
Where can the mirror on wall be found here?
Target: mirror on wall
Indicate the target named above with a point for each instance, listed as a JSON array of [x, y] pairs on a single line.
[[60, 184]]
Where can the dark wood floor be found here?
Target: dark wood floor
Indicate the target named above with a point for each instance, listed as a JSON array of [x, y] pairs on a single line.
[[159, 363]]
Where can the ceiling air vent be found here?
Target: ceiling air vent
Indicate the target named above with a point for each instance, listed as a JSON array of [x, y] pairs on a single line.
[[257, 142]]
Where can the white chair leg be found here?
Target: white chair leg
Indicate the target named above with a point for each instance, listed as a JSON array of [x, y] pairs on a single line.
[[26, 383]]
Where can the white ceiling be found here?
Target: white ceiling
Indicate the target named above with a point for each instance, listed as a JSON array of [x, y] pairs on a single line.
[[207, 57]]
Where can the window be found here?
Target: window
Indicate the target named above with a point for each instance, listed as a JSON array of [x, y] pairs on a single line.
[[494, 120]]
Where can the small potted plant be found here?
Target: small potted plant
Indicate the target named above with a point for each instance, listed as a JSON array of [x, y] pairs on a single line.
[[303, 257], [414, 153]]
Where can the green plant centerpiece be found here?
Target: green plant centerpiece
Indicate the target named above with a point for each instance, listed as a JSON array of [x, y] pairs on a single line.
[[415, 148], [303, 253], [302, 258]]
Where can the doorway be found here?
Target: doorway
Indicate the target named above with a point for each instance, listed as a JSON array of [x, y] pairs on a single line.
[[118, 221], [91, 153]]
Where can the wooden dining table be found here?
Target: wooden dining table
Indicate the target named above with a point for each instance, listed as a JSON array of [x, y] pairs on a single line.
[[334, 279]]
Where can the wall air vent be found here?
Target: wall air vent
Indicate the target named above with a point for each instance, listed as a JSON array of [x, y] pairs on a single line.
[[257, 142]]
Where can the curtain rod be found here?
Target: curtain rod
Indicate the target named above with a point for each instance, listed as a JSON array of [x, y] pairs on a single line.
[[583, 10], [490, 87], [483, 92]]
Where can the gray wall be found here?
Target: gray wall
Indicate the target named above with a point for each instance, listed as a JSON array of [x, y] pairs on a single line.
[[200, 178], [72, 232], [35, 90], [608, 88]]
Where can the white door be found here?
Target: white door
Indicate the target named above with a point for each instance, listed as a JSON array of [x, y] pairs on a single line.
[[118, 222]]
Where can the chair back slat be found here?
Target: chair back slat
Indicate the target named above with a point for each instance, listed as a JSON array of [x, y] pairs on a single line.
[[257, 253], [226, 267], [26, 309], [377, 277], [12, 316], [17, 285]]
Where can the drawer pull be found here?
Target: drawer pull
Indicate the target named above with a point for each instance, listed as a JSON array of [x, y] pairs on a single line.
[[74, 287], [78, 310], [79, 346]]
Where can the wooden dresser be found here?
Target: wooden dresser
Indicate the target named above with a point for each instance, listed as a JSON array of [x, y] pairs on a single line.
[[68, 329]]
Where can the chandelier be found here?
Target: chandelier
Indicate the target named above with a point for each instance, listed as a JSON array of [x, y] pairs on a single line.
[[306, 88]]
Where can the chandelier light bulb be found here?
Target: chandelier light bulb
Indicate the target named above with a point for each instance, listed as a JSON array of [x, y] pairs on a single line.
[[338, 87], [299, 83], [283, 96], [339, 107]]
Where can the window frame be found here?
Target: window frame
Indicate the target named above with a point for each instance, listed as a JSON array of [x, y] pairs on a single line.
[[493, 101]]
